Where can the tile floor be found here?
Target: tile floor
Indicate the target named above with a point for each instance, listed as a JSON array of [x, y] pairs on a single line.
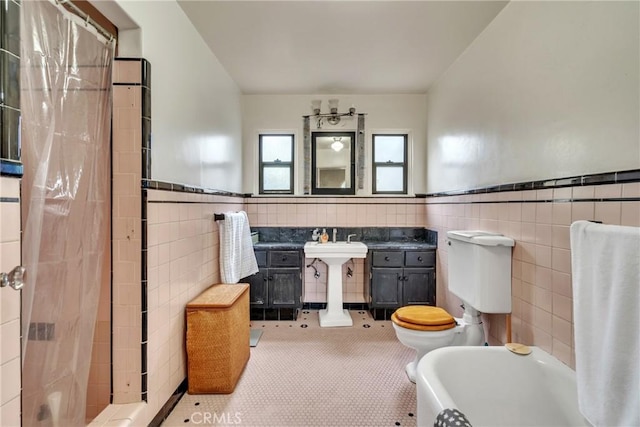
[[303, 375]]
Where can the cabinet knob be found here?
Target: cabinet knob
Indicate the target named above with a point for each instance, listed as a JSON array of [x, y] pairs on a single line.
[[420, 259], [270, 277], [265, 279], [386, 258], [284, 258]]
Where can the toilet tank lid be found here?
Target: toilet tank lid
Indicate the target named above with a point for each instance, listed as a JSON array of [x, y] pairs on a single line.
[[486, 238]]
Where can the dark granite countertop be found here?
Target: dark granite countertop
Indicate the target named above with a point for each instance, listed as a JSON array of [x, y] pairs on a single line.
[[376, 238], [400, 245], [370, 245], [291, 246]]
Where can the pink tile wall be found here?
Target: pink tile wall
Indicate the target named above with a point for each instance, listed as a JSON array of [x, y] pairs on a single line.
[[541, 264], [335, 212], [183, 260], [10, 366], [315, 290], [321, 212], [126, 236], [99, 385]]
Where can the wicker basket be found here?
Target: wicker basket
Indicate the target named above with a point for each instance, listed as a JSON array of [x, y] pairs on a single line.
[[217, 338]]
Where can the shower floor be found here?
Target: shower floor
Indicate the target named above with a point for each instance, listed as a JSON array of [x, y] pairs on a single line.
[[303, 375]]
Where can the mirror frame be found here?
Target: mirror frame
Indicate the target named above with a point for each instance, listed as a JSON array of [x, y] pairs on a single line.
[[352, 165]]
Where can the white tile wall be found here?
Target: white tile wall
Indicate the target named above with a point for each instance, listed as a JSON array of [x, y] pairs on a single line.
[[10, 366]]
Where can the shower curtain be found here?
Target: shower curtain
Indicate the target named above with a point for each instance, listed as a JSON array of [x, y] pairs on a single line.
[[66, 100]]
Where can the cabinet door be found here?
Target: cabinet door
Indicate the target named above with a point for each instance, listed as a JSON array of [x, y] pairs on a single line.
[[419, 286], [258, 291], [385, 287], [285, 286]]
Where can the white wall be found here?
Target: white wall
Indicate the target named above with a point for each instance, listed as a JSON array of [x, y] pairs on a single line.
[[195, 106], [548, 90], [401, 113]]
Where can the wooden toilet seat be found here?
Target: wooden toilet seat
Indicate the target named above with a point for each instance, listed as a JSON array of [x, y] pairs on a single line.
[[423, 318]]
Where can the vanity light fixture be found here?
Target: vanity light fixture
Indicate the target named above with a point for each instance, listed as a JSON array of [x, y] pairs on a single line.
[[337, 144], [333, 116], [333, 106], [315, 106]]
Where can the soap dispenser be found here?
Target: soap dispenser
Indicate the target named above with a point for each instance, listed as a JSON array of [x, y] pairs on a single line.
[[324, 237]]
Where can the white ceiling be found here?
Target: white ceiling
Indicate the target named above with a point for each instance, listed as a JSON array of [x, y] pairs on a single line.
[[329, 47]]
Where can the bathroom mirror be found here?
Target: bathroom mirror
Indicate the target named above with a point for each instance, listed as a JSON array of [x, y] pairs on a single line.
[[333, 163]]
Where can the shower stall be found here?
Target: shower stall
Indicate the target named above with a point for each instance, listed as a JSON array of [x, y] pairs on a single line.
[[66, 115]]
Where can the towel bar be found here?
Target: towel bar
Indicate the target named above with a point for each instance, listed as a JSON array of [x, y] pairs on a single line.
[[218, 217]]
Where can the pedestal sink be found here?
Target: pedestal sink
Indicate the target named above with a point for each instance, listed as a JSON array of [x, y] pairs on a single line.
[[334, 255]]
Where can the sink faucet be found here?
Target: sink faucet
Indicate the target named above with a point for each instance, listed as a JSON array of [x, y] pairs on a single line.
[[350, 236], [335, 234]]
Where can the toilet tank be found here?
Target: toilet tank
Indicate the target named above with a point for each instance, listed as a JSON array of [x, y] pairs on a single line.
[[479, 267]]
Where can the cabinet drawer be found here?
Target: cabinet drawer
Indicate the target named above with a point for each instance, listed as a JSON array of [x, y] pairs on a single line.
[[284, 259], [420, 259], [387, 259], [261, 258]]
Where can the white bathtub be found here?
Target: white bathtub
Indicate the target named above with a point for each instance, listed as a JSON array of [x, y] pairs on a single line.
[[493, 387]]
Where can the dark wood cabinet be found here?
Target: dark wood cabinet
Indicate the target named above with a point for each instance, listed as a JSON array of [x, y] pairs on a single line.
[[285, 285], [258, 295], [419, 286], [400, 277], [386, 289], [278, 284]]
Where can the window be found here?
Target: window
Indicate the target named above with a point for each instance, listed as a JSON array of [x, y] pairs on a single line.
[[276, 164], [390, 164]]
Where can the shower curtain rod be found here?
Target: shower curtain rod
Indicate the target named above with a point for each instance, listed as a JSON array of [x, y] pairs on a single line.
[[87, 19]]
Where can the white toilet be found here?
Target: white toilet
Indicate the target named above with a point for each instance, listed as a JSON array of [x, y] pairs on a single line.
[[480, 275]]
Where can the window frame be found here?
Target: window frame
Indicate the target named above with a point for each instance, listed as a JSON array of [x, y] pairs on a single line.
[[262, 164], [404, 164]]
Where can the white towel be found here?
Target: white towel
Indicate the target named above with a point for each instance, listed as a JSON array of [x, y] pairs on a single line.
[[237, 259], [605, 263]]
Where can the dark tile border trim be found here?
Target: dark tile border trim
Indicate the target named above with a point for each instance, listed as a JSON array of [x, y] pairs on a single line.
[[143, 296], [169, 405], [488, 202], [593, 179], [9, 168], [183, 188]]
